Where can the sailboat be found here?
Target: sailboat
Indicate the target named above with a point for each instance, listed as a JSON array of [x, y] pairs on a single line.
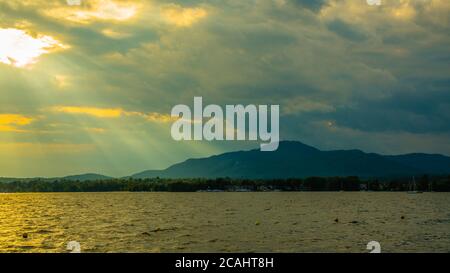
[[412, 187]]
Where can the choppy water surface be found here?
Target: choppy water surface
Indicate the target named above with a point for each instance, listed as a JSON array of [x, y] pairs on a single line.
[[225, 222]]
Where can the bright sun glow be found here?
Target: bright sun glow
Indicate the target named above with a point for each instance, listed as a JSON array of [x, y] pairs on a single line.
[[19, 49]]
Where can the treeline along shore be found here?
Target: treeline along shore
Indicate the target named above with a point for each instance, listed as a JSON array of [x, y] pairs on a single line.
[[352, 183]]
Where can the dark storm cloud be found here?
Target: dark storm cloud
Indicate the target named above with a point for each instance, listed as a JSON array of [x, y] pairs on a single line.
[[314, 5], [347, 31]]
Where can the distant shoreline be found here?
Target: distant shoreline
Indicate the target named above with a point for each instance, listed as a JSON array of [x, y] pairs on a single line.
[[423, 183]]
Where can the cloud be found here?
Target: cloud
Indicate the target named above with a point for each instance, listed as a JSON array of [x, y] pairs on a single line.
[[153, 116], [115, 34], [182, 17], [314, 5], [405, 11], [90, 111], [96, 10], [346, 31], [301, 104], [387, 142], [13, 122], [112, 113]]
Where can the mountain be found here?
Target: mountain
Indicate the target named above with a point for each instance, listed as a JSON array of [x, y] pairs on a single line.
[[431, 163], [86, 177], [295, 159]]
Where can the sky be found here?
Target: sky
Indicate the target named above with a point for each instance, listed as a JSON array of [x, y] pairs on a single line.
[[89, 86]]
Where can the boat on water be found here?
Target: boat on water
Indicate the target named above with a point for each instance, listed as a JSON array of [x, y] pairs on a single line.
[[413, 188]]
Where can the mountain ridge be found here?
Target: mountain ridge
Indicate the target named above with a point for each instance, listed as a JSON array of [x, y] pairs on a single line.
[[296, 159], [86, 177], [79, 177]]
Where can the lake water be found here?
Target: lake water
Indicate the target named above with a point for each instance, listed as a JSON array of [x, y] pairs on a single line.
[[225, 222]]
